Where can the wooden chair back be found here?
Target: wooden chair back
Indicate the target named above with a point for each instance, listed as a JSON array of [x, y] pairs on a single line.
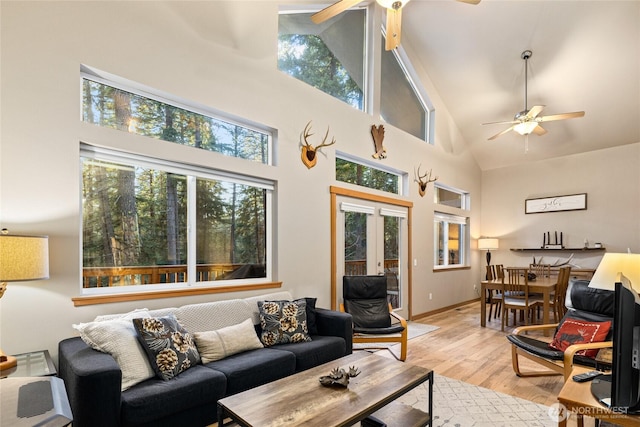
[[540, 270], [561, 292], [516, 284]]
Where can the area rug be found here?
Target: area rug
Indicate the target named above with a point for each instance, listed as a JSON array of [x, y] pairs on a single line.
[[459, 404], [414, 329]]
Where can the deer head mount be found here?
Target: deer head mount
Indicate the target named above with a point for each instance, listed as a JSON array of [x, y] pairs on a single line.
[[309, 152], [423, 180], [377, 132]]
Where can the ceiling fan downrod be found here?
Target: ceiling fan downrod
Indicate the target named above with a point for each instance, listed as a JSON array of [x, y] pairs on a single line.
[[526, 55]]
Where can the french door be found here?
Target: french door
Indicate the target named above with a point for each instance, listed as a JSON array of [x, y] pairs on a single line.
[[371, 237]]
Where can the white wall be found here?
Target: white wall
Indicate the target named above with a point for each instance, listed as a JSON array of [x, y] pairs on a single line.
[[221, 55], [611, 179]]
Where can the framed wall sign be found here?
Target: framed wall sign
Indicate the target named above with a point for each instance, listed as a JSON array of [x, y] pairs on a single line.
[[573, 202]]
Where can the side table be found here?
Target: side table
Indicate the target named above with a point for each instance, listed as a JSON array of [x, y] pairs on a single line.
[[32, 364], [579, 402], [31, 394]]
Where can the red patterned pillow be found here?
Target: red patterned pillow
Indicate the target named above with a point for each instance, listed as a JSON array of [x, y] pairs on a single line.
[[575, 331]]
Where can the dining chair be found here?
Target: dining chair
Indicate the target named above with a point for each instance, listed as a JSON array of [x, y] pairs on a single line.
[[558, 301], [496, 272], [540, 270], [515, 296]]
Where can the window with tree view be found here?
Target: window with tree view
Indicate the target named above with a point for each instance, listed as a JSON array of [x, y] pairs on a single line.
[[367, 176], [329, 57], [110, 106], [137, 213]]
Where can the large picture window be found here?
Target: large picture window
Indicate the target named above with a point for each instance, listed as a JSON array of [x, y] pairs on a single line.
[[151, 223]]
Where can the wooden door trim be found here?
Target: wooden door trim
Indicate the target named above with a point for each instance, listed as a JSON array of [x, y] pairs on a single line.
[[340, 191]]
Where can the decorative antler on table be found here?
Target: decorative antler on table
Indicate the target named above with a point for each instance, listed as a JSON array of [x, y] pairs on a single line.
[[423, 180], [308, 155]]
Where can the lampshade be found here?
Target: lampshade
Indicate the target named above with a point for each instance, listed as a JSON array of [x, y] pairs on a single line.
[[23, 258], [612, 264], [454, 245], [525, 128], [487, 243]]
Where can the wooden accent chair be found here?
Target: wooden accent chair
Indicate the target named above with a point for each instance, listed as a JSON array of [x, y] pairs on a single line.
[[586, 305], [515, 295], [365, 298]]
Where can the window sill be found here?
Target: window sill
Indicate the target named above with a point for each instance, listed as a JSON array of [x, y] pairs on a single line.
[[450, 268], [173, 293]]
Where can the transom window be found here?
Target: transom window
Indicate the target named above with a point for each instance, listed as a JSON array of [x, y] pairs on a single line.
[[119, 105], [155, 224], [449, 196], [358, 173]]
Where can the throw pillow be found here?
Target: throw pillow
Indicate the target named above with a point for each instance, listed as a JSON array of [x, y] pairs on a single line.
[[118, 338], [283, 322], [218, 344], [312, 326], [169, 346], [575, 331]]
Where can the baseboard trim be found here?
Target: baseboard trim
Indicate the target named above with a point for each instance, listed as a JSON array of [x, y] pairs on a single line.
[[440, 310]]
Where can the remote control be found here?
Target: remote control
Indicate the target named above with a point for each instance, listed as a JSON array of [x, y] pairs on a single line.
[[587, 376]]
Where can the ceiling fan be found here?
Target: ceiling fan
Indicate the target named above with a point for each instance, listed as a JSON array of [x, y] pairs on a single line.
[[394, 16], [528, 121]]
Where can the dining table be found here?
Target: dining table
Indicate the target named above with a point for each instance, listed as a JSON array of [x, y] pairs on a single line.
[[542, 285]]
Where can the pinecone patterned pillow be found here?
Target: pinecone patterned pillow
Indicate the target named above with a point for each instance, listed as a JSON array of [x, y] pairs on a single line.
[[283, 322], [170, 348]]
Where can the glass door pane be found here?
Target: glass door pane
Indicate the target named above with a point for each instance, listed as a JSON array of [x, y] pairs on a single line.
[[391, 259], [355, 243]]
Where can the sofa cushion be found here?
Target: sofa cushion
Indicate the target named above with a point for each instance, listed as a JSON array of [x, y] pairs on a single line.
[[221, 343], [155, 399], [118, 338], [170, 348], [254, 368], [321, 349], [283, 322], [211, 316]]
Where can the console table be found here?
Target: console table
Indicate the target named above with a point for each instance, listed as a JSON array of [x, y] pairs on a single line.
[[579, 401]]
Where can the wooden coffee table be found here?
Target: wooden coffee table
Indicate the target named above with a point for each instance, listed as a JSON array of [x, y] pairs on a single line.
[[300, 399]]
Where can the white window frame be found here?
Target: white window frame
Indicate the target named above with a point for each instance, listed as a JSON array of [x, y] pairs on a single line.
[[191, 172], [465, 198], [463, 246]]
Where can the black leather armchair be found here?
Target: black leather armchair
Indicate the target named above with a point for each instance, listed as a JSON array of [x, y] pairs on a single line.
[[583, 303], [365, 298]]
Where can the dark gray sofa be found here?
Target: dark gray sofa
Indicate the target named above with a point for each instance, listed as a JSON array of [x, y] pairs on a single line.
[[93, 379]]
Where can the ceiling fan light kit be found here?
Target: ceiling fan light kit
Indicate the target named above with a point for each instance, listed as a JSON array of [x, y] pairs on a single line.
[[528, 120]]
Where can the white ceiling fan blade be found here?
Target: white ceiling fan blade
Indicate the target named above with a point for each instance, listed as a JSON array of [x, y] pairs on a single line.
[[562, 116], [535, 110], [394, 28], [501, 133], [539, 130], [333, 10], [469, 1]]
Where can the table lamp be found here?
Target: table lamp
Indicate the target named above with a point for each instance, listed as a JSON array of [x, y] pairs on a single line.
[[612, 264], [22, 258], [488, 244]]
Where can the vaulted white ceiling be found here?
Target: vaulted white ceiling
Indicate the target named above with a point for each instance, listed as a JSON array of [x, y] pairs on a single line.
[[586, 57]]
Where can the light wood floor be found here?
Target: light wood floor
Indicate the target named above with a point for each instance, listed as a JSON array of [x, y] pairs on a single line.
[[463, 350]]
